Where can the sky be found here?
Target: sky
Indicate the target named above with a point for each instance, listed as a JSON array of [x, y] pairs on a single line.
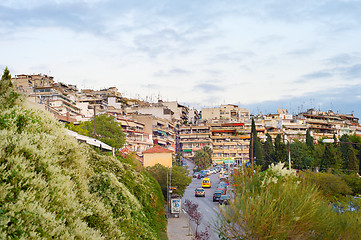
[[261, 55]]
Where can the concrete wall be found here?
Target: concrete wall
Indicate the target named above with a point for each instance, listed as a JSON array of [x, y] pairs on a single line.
[[151, 159]]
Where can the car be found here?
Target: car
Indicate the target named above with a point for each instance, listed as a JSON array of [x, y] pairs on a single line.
[[222, 184], [223, 189], [201, 175], [207, 172], [224, 199], [206, 182], [195, 175], [217, 195], [199, 192]]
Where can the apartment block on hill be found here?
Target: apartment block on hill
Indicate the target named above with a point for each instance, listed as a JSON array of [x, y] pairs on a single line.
[[228, 113], [193, 138]]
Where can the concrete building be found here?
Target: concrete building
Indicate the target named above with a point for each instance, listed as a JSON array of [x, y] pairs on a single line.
[[193, 138], [229, 113], [230, 142], [157, 155], [180, 111]]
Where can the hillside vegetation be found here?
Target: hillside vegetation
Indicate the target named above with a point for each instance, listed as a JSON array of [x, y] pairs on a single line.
[[53, 187]]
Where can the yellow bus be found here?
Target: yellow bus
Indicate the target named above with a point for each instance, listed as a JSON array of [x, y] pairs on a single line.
[[206, 182]]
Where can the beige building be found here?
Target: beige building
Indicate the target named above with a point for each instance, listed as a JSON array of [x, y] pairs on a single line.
[[157, 155], [193, 138], [229, 113], [230, 142]]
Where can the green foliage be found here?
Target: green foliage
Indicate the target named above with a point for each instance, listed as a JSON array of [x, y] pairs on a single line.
[[331, 185], [354, 182], [268, 152], [301, 155], [276, 204], [107, 130], [203, 158], [309, 140], [78, 129], [281, 153], [180, 178], [8, 96], [53, 187]]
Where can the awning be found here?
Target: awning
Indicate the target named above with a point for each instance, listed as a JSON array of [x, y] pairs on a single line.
[[187, 150], [164, 133]]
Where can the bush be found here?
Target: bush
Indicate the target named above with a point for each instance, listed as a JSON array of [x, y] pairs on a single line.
[[53, 187], [276, 204], [331, 185]]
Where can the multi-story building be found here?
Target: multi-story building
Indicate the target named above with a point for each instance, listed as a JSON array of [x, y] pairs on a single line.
[[162, 131], [229, 113], [230, 142], [136, 138], [193, 138], [180, 111]]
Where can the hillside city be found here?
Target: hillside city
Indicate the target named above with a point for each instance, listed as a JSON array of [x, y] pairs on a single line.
[[94, 164], [225, 129]]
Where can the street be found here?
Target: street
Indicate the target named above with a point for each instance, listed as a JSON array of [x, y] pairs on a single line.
[[207, 207]]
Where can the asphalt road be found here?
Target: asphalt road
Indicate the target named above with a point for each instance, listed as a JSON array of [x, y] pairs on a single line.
[[206, 206]]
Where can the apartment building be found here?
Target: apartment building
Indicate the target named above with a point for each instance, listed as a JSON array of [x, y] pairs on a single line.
[[180, 111], [193, 138], [163, 132], [230, 142], [228, 112], [136, 138]]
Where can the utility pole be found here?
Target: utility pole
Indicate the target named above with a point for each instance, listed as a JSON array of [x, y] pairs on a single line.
[[252, 149], [95, 114]]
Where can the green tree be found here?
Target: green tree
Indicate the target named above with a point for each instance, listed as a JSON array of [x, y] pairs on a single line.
[[8, 96], [268, 151], [258, 153], [208, 150], [329, 158], [350, 161], [309, 140], [178, 178], [301, 155], [202, 159], [108, 130], [281, 153]]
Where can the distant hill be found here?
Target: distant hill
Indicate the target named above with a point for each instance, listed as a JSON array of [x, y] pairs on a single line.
[[53, 187]]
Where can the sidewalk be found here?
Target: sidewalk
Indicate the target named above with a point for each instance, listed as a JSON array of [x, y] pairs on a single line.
[[178, 228]]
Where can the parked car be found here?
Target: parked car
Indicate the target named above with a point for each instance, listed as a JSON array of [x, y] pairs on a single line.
[[222, 184], [224, 199], [217, 195], [201, 175], [199, 192], [223, 189], [195, 175]]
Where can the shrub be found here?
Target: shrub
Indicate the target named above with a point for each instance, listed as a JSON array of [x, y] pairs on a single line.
[[276, 204]]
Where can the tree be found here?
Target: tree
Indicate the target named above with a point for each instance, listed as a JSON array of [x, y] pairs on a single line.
[[8, 96], [350, 161], [180, 178], [309, 140], [268, 151], [209, 151], [202, 159], [108, 130], [195, 216], [329, 158], [301, 155], [281, 153]]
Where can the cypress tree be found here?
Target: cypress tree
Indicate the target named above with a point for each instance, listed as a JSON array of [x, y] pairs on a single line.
[[281, 153], [309, 140], [329, 158], [269, 151], [8, 95]]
